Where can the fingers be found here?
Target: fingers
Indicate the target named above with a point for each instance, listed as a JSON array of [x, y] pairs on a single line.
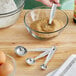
[[49, 2], [46, 2], [57, 2]]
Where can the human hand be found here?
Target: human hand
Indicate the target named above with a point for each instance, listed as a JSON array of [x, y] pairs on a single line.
[[49, 2]]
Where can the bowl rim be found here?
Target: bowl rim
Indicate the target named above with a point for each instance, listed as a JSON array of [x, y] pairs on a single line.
[[45, 32], [14, 10], [14, 62]]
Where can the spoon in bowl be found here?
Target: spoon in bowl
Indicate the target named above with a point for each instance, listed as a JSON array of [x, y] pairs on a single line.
[[52, 13]]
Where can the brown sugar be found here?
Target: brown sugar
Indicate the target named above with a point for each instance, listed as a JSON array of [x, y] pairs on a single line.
[[43, 26]]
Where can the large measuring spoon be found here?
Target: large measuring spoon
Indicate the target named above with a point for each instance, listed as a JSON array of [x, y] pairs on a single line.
[[21, 51]]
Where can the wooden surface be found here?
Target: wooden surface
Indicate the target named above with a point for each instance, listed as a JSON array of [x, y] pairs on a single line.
[[17, 35]]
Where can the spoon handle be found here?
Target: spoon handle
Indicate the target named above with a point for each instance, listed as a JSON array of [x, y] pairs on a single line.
[[52, 13], [33, 16], [38, 49], [42, 55], [51, 53]]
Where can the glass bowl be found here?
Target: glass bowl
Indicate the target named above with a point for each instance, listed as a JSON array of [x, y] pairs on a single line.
[[12, 61], [9, 18], [40, 13]]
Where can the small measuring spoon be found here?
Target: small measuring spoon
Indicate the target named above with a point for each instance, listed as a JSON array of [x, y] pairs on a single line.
[[31, 61], [52, 13], [51, 53]]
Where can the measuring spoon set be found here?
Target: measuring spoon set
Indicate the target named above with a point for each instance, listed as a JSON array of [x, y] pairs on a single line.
[[48, 52]]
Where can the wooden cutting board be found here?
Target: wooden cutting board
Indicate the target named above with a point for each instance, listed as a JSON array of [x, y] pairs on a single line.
[[18, 35]]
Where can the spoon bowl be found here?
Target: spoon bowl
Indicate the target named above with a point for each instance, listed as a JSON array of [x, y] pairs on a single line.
[[20, 51], [43, 67], [30, 61]]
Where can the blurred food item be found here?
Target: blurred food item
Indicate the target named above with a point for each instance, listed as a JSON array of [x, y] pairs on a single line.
[[2, 58], [6, 69], [10, 11]]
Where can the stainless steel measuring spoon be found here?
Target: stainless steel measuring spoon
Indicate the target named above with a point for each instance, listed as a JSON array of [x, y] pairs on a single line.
[[21, 51], [52, 13], [31, 61], [51, 53]]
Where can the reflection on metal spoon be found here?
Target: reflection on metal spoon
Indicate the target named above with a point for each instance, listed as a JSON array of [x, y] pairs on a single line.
[[20, 51]]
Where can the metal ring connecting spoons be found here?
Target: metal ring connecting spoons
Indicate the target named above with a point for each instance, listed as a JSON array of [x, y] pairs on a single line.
[[31, 61]]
